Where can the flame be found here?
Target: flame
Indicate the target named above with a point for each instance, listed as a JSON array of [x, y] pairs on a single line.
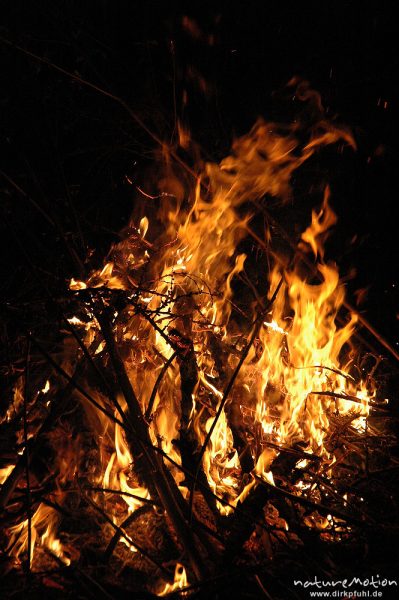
[[43, 526], [17, 401], [46, 387], [77, 285], [117, 471], [5, 472], [301, 357], [179, 270], [180, 581], [221, 463]]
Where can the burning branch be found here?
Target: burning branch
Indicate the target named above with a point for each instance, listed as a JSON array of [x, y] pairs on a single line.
[[148, 465]]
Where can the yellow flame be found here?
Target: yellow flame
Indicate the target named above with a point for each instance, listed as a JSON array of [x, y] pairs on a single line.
[[293, 368], [46, 387], [119, 466], [221, 463], [44, 524], [5, 472], [180, 581]]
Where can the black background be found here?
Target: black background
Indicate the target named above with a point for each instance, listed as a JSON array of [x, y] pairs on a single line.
[[67, 149]]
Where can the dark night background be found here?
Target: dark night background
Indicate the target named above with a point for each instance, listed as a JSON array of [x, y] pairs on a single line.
[[67, 149]]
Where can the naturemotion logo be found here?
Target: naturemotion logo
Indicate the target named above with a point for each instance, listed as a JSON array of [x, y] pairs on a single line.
[[356, 587]]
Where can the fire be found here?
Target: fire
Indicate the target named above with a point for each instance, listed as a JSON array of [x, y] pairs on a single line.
[[117, 472], [180, 581], [298, 379], [5, 472], [43, 528], [46, 387], [113, 474], [221, 463], [185, 329]]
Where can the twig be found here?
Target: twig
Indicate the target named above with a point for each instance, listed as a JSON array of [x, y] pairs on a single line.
[[262, 587], [327, 484], [120, 530], [344, 397], [25, 195], [90, 359], [293, 451], [127, 537], [74, 383], [147, 463], [127, 494], [157, 384], [52, 220], [72, 330], [188, 442], [337, 371]]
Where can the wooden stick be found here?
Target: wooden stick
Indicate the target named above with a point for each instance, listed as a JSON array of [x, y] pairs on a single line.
[[120, 532], [74, 383], [148, 501], [345, 397], [233, 410], [188, 442], [149, 465], [157, 384]]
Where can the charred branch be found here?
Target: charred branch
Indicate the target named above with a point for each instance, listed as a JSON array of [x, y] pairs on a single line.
[[149, 466]]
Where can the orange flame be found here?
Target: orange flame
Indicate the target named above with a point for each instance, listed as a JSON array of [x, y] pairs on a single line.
[[180, 581], [44, 524]]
